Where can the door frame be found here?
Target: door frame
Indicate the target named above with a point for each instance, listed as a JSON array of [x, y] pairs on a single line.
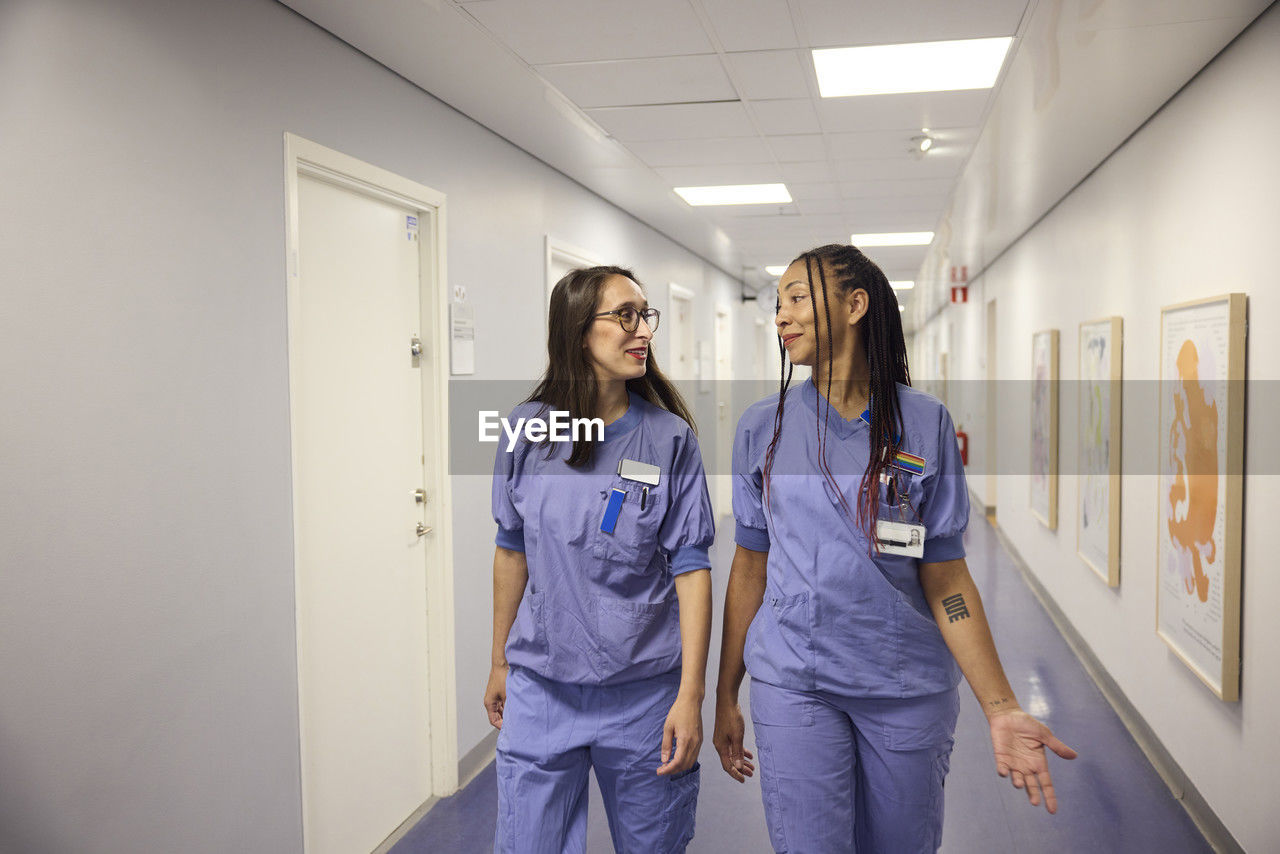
[[304, 157], [575, 255]]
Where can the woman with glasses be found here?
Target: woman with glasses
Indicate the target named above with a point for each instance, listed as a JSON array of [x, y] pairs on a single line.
[[849, 601], [601, 589]]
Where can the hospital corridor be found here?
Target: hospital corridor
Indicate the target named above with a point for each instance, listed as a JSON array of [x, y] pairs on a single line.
[[587, 426]]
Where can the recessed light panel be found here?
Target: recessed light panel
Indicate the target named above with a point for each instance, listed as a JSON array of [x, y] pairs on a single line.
[[736, 194], [897, 238], [892, 69], [776, 270], [905, 285]]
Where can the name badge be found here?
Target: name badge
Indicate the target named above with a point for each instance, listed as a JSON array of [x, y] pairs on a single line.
[[900, 538], [638, 471]]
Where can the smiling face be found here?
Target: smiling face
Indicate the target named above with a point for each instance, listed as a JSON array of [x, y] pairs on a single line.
[[798, 315], [614, 353]]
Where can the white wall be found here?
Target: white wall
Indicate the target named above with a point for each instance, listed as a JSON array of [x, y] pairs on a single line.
[[1186, 208], [148, 695]]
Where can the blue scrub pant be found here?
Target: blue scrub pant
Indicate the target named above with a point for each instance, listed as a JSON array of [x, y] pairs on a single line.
[[552, 732], [842, 774]]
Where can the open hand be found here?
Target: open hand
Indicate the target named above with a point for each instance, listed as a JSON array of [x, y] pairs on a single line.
[[1019, 741]]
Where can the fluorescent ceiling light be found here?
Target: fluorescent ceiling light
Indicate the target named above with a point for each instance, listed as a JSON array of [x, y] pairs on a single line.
[[902, 285], [897, 238], [923, 67], [736, 194], [777, 270], [902, 308]]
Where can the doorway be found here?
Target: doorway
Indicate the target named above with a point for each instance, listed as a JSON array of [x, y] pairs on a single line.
[[372, 551]]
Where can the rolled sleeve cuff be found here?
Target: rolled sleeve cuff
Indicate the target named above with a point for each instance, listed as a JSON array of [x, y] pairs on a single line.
[[689, 558], [939, 549], [755, 539], [511, 540]]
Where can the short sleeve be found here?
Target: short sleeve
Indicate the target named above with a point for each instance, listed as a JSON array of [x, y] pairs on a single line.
[[748, 492], [945, 502], [510, 524], [688, 529]]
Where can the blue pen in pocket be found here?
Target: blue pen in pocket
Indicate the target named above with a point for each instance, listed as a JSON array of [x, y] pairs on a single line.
[[611, 510]]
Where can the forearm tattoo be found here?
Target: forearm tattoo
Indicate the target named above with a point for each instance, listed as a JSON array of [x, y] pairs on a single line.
[[1003, 701], [955, 608]]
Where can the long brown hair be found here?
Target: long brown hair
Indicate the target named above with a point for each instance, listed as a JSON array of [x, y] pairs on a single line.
[[569, 383], [885, 348]]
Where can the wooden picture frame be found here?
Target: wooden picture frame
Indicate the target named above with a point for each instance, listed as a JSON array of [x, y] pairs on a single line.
[[1200, 482], [1098, 446], [1044, 427]]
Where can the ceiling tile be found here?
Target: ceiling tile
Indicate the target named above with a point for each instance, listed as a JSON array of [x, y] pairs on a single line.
[[802, 173], [878, 189], [751, 24], [903, 166], [947, 142], [769, 74], [721, 173], [574, 31], [820, 190], [798, 147], [697, 152], [617, 83], [674, 121], [929, 205], [730, 215], [839, 23], [791, 116], [903, 112]]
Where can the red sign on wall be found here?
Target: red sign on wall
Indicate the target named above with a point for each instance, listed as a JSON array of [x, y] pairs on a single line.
[[960, 274], [960, 293]]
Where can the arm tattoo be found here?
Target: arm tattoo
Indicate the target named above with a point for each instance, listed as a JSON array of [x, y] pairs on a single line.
[[955, 608], [995, 704]]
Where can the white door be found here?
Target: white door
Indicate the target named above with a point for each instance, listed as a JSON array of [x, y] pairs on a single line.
[[723, 479], [677, 328], [361, 563]]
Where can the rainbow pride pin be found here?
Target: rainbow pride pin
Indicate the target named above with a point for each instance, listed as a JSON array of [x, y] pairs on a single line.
[[909, 462]]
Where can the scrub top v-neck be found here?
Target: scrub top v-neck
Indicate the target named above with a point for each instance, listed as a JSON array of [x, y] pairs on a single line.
[[600, 605], [836, 618]]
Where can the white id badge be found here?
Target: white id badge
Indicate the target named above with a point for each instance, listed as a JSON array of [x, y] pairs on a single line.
[[638, 471], [900, 538]]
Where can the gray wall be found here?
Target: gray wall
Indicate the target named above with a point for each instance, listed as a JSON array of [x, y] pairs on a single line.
[[1187, 208], [148, 696]]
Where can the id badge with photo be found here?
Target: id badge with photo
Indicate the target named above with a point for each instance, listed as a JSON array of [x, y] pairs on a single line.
[[897, 531]]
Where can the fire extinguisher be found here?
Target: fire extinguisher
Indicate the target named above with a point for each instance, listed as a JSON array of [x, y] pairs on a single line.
[[963, 438]]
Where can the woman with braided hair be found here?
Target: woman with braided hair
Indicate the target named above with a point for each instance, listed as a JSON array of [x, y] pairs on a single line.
[[849, 601]]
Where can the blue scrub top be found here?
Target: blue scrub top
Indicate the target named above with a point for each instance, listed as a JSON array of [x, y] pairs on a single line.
[[834, 618], [600, 608]]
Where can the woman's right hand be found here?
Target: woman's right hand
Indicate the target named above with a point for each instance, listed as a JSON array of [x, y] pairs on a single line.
[[730, 730], [495, 694]]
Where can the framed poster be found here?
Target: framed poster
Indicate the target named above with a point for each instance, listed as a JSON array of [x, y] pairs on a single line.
[[1200, 479], [1098, 498], [1044, 427]]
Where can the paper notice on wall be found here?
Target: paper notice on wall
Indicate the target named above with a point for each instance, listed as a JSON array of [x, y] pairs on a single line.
[[462, 338], [411, 227]]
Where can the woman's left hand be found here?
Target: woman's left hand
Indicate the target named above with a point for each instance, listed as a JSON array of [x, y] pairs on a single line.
[[684, 726], [1019, 741]]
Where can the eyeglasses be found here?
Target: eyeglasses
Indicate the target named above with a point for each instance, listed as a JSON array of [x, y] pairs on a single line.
[[629, 319]]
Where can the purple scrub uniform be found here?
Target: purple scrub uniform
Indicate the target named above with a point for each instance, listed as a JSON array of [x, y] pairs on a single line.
[[595, 648], [853, 692]]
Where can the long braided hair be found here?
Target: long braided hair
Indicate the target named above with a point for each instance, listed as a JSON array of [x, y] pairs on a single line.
[[885, 348]]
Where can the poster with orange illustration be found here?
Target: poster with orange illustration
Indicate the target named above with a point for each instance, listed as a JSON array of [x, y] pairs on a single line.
[[1200, 459]]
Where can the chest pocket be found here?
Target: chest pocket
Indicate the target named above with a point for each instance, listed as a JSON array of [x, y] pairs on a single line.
[[635, 533]]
